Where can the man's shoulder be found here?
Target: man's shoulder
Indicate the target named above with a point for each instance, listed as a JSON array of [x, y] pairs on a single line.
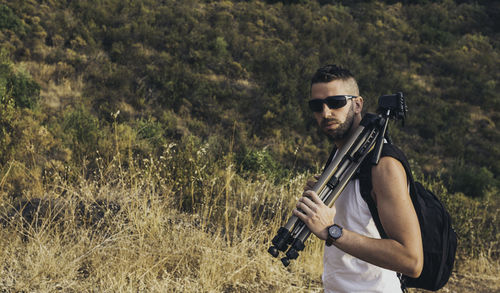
[[391, 150], [386, 166], [391, 158], [388, 173], [392, 168]]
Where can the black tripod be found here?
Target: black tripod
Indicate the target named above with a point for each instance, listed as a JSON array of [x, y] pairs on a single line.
[[369, 135]]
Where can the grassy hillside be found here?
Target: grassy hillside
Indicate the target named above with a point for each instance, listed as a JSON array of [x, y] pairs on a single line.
[[167, 71], [192, 117]]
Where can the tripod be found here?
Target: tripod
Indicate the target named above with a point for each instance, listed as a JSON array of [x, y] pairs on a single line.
[[368, 136]]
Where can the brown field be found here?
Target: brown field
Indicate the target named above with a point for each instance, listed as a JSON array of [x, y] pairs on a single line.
[[125, 231]]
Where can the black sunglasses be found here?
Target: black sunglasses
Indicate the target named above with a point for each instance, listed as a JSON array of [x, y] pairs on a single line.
[[333, 102]]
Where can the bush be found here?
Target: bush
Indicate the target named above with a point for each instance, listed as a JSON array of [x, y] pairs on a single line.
[[18, 86], [470, 180], [26, 91], [9, 20], [152, 132], [81, 132], [262, 163]]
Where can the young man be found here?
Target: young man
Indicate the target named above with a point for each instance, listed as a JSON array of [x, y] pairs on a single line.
[[356, 259]]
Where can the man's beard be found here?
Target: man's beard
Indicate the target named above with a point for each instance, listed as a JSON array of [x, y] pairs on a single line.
[[342, 129]]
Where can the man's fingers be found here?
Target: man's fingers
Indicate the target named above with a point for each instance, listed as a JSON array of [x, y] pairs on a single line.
[[313, 196], [299, 215], [309, 203], [306, 207]]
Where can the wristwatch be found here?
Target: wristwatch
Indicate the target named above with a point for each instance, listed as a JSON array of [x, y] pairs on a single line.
[[334, 233]]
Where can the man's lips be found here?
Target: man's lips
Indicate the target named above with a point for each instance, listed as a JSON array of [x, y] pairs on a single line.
[[329, 123]]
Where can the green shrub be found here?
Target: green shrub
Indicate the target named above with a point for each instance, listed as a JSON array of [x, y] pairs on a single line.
[[17, 84], [262, 163], [9, 20], [152, 131], [8, 110], [25, 91], [470, 180], [81, 132]]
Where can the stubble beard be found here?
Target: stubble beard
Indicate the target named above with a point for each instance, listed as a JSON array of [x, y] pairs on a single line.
[[342, 131]]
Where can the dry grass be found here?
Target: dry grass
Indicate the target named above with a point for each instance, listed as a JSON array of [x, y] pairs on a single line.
[[59, 86], [148, 245]]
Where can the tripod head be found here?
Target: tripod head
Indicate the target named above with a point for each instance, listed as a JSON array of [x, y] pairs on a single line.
[[393, 106], [389, 107]]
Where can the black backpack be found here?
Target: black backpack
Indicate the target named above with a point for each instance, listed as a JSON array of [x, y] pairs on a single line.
[[438, 237]]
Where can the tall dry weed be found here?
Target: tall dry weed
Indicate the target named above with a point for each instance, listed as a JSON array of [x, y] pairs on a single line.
[[125, 227], [148, 245]]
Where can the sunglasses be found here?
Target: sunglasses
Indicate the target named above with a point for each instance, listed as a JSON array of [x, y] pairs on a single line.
[[333, 102]]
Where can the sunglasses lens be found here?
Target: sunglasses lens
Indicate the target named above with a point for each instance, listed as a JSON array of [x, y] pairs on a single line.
[[336, 102], [333, 102], [316, 105]]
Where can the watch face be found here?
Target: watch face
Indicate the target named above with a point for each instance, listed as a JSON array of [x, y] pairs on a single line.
[[335, 231]]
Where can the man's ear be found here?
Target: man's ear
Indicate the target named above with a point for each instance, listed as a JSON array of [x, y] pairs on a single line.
[[358, 104]]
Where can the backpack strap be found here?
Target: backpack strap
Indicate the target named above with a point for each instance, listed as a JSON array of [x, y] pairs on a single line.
[[365, 184]]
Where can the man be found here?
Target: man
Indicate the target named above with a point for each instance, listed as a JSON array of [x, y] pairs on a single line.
[[355, 258]]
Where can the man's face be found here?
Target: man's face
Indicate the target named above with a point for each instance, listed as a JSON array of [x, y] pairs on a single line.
[[335, 123]]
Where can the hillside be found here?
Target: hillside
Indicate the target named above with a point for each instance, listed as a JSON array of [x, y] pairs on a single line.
[[179, 69], [98, 92]]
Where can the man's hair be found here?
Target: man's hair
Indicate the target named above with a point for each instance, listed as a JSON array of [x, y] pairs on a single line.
[[333, 72]]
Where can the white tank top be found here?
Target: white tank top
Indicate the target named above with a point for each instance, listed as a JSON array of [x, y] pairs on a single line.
[[343, 272]]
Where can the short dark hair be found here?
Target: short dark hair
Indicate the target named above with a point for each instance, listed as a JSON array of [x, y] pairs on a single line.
[[331, 72]]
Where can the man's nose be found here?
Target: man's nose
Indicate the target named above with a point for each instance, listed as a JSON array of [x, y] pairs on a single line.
[[325, 112]]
